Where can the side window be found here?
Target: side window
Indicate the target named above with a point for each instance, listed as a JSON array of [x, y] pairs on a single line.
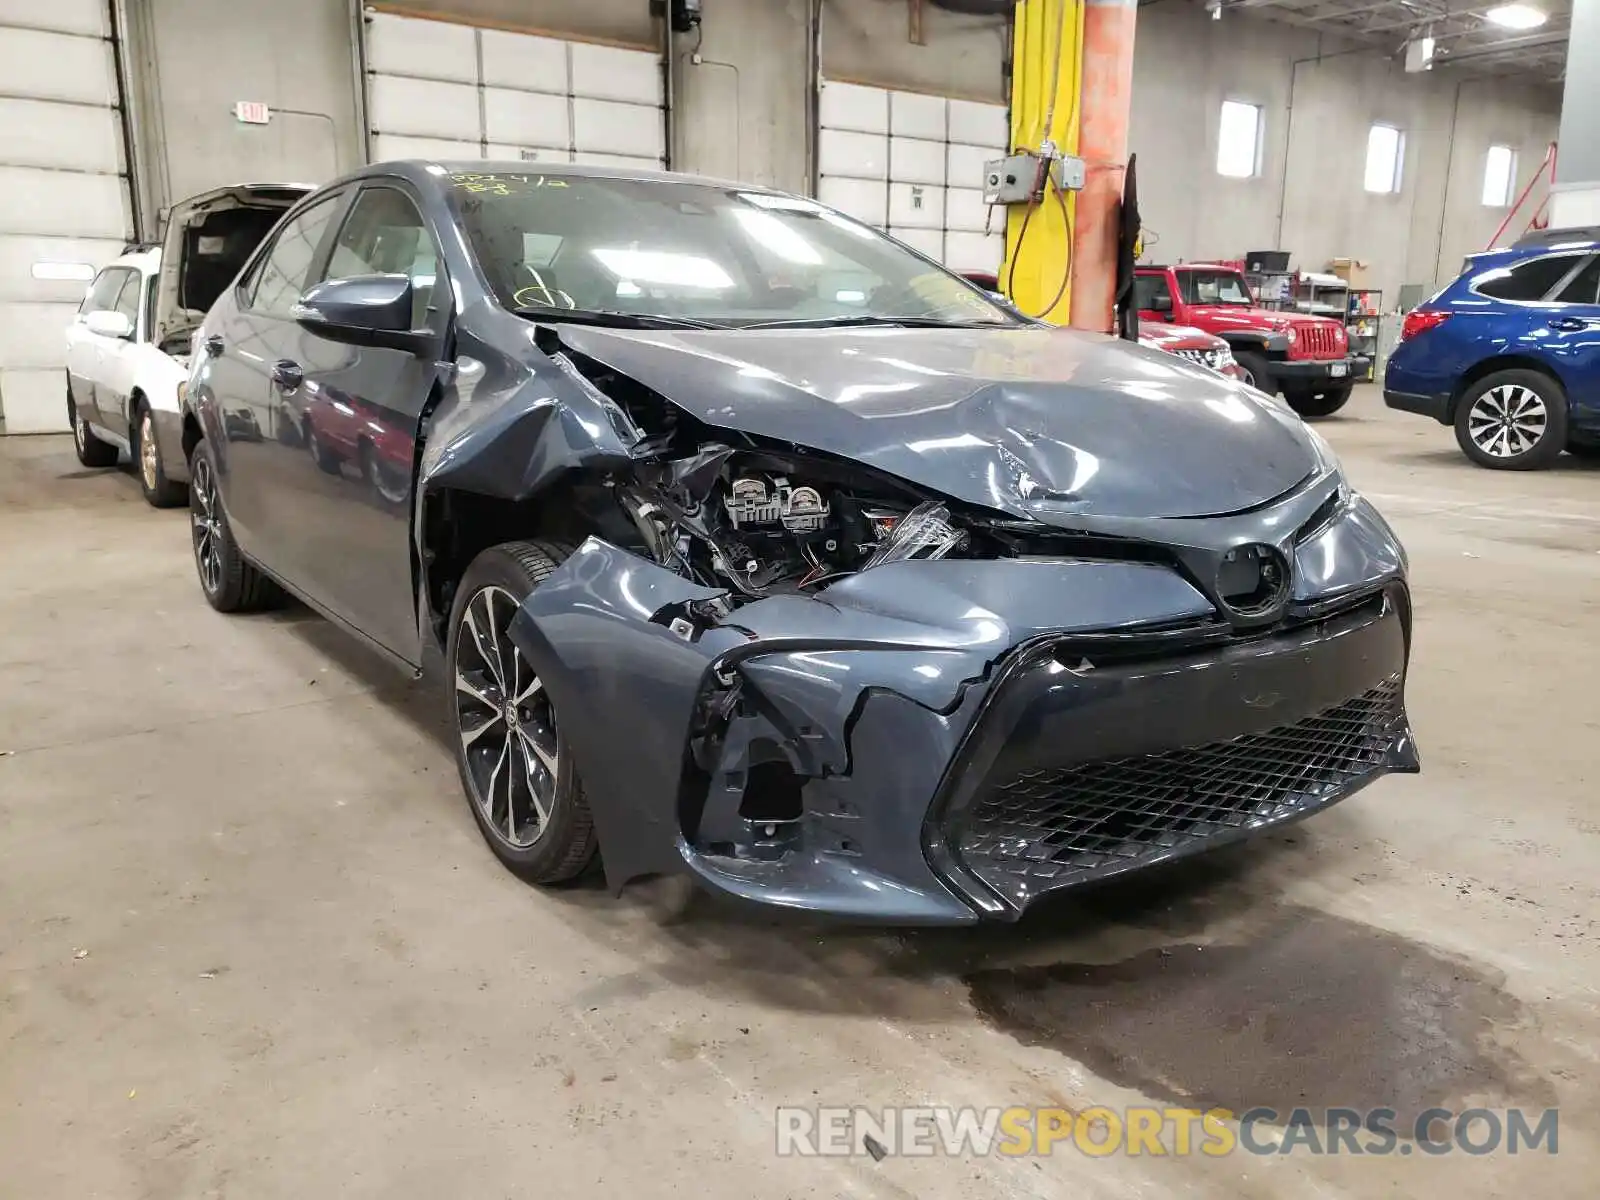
[[128, 298], [1147, 289], [103, 292], [152, 285], [1530, 279], [282, 274], [386, 235], [1584, 287]]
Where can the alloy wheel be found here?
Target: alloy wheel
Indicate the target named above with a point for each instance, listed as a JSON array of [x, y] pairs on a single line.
[[149, 464], [206, 525], [506, 723], [1507, 421]]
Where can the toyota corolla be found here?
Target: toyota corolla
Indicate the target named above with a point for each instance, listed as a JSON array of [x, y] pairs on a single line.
[[747, 542]]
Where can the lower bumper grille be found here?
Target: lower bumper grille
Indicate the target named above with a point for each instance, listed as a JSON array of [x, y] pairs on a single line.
[[1042, 829]]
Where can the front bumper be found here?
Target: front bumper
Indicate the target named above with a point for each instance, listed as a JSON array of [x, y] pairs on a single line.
[[938, 742], [1329, 371], [1435, 406]]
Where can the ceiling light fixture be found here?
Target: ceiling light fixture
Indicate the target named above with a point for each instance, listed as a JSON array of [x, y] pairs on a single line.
[[1516, 16]]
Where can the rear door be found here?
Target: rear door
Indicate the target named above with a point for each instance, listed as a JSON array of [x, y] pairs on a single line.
[[261, 438], [349, 507]]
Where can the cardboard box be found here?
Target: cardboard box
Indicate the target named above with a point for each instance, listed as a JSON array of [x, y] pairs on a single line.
[[1353, 271]]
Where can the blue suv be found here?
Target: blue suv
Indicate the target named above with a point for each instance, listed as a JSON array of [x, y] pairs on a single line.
[[1509, 353]]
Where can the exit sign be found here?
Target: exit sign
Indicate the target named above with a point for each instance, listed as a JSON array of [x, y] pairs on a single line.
[[252, 112]]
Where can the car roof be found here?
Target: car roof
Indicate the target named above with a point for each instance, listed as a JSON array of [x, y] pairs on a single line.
[[419, 169], [145, 258]]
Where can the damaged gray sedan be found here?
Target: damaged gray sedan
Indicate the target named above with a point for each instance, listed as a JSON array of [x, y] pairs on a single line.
[[747, 542]]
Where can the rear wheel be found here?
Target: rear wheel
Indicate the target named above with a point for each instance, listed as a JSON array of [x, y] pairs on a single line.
[[1257, 371], [1319, 404], [1512, 421], [160, 491], [521, 783], [230, 583], [92, 452]]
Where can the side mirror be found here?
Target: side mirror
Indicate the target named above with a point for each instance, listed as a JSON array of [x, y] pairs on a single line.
[[1161, 304], [109, 324], [365, 310]]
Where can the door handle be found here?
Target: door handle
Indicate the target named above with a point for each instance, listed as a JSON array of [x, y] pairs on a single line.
[[1568, 324], [214, 345], [287, 375]]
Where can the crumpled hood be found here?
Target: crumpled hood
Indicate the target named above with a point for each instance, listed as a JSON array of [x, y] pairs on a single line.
[[1035, 422]]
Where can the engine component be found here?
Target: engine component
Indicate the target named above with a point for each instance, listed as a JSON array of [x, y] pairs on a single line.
[[924, 532], [752, 502]]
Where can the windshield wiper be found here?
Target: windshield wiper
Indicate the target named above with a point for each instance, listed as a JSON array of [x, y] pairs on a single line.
[[840, 322], [604, 316]]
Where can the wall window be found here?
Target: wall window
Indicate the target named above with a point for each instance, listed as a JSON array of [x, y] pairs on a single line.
[[1239, 140], [1386, 152], [1499, 176]]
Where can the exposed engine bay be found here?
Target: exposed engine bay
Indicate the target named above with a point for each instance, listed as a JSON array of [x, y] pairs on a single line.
[[763, 523]]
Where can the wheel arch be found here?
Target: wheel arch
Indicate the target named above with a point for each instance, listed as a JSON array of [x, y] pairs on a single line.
[[1503, 362]]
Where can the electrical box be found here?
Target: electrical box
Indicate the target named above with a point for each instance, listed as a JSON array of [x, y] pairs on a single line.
[[1012, 180]]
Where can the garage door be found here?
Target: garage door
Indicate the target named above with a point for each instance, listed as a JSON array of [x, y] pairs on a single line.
[[913, 164], [437, 89], [64, 209]]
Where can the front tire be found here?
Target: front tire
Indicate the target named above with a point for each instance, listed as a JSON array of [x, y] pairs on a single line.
[[1257, 370], [1319, 404], [326, 458], [1513, 421], [230, 582], [159, 491], [518, 775]]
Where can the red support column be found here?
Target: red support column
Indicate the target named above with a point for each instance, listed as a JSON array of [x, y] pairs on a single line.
[[1104, 99]]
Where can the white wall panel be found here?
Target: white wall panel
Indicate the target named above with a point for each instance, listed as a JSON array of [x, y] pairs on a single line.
[[912, 114], [75, 137], [33, 335], [63, 202], [521, 60], [973, 251], [421, 49], [633, 161], [917, 205], [611, 73], [19, 253], [34, 400], [509, 152], [56, 66], [929, 241], [979, 124], [609, 127], [391, 145], [856, 155], [90, 18], [851, 106], [964, 209], [423, 108], [964, 164], [864, 199], [912, 160], [526, 118]]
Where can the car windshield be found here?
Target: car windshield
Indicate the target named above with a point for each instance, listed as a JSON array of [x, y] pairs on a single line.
[[1214, 287], [696, 253]]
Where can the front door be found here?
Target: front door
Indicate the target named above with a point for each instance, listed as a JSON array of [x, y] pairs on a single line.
[[114, 377], [362, 406], [85, 349]]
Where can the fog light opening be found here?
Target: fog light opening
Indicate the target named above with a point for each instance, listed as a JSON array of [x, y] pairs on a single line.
[[771, 796]]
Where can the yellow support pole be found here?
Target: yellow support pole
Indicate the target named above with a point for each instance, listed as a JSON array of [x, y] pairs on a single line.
[[1046, 80]]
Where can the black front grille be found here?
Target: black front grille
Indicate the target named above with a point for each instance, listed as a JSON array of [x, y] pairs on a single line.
[[1042, 829]]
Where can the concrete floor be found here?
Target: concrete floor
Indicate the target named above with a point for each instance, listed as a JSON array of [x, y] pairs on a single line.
[[252, 946]]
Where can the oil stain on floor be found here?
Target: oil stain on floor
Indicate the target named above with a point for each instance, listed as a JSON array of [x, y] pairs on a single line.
[[1311, 1011]]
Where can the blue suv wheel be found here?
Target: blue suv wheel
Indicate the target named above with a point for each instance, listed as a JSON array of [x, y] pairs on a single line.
[[1512, 421]]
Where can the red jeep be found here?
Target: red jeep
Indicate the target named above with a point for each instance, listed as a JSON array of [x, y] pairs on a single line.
[[1306, 358]]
